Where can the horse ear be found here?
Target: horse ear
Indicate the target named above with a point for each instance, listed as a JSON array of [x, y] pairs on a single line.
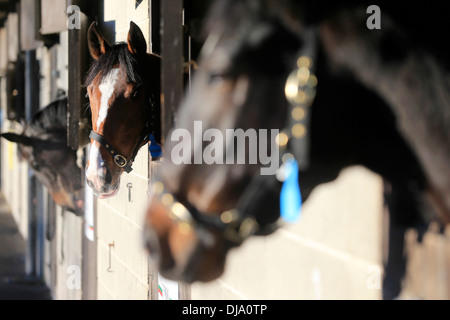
[[18, 138], [97, 42], [136, 40]]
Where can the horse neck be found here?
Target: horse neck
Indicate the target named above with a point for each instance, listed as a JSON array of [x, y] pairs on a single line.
[[153, 85], [50, 119], [152, 63]]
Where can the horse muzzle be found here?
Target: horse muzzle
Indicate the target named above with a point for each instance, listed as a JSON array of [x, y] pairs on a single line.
[[103, 179], [178, 251], [102, 182], [103, 192]]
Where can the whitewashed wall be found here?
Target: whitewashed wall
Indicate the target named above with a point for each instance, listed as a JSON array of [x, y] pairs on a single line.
[[122, 260], [14, 177], [14, 172], [67, 247], [333, 252]]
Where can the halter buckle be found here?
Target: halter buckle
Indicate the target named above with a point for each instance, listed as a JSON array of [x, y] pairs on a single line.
[[120, 161]]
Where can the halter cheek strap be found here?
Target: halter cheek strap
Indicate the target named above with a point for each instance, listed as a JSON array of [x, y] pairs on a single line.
[[234, 227]]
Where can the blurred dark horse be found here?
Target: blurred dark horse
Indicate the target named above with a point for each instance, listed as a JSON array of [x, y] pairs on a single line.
[[383, 101], [43, 144]]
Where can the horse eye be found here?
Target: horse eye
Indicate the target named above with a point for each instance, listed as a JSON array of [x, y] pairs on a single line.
[[217, 78], [136, 94], [88, 89]]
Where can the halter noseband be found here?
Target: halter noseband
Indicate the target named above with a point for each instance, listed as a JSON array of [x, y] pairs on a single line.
[[238, 224], [120, 160]]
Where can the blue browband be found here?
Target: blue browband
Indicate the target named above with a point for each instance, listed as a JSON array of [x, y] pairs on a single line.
[[154, 148]]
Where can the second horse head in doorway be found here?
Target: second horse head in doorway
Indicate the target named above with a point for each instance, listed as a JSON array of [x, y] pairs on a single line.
[[123, 86], [43, 144]]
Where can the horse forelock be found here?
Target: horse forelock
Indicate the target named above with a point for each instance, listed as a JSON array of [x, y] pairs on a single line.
[[255, 31], [117, 55]]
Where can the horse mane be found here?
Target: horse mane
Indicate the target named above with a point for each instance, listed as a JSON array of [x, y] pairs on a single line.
[[118, 54], [416, 26], [51, 119], [254, 36]]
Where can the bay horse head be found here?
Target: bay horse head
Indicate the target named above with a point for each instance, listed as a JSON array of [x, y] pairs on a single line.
[[123, 89], [253, 74], [43, 144]]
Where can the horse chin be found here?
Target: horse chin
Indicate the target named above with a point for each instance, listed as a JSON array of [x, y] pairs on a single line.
[[106, 195], [192, 271], [107, 191], [104, 191], [181, 254], [195, 271], [77, 204]]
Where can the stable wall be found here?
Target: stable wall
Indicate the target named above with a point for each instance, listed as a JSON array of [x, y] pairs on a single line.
[[14, 177], [333, 252], [123, 269], [63, 253]]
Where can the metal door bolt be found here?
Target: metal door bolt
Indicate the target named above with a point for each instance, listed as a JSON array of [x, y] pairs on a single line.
[[129, 186], [110, 246]]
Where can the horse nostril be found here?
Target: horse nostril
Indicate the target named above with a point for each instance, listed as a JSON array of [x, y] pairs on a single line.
[[106, 176], [90, 184], [151, 242]]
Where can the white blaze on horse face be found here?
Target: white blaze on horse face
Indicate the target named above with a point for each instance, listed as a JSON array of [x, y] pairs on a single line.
[[94, 169], [106, 87], [96, 162]]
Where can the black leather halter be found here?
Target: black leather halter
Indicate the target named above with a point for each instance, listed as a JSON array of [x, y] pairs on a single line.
[[120, 160]]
